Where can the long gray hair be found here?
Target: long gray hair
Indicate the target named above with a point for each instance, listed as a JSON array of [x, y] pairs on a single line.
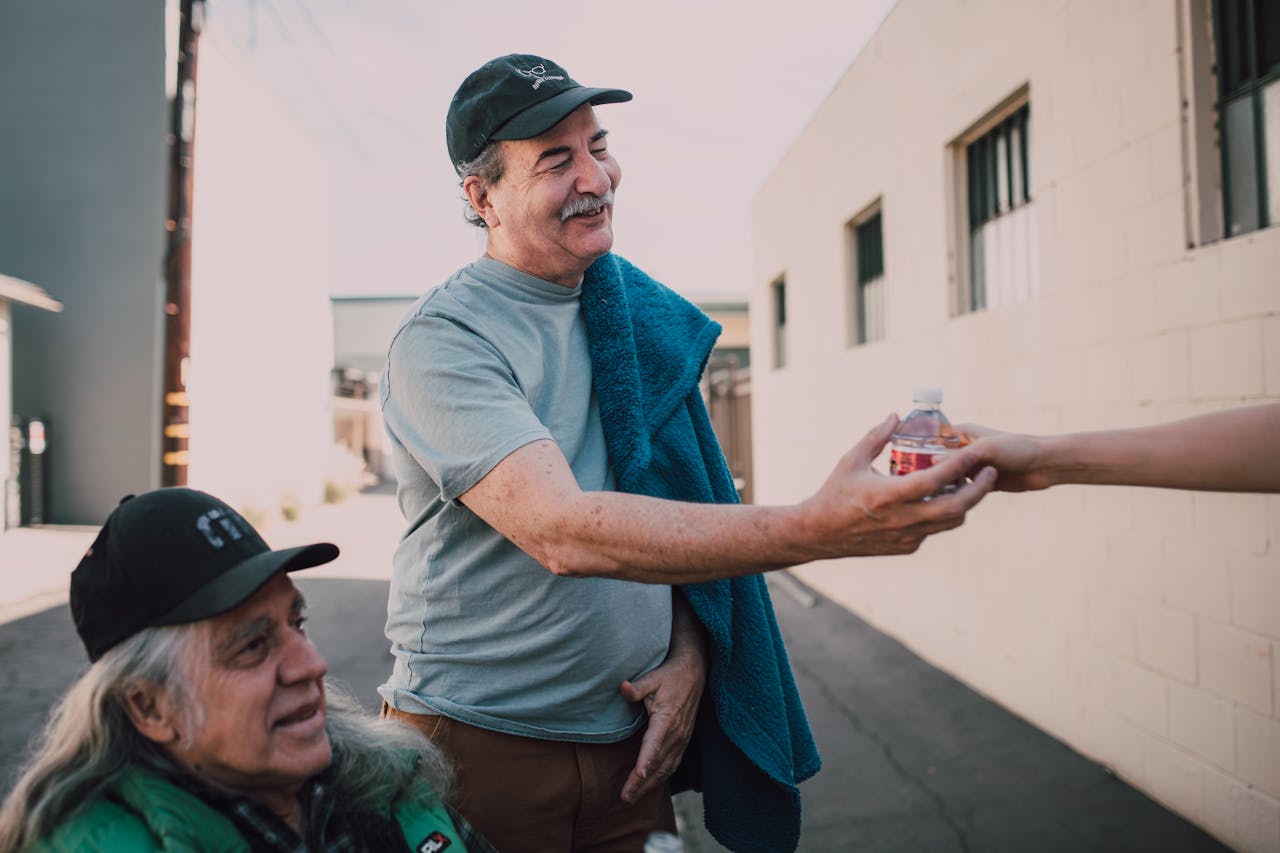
[[89, 741]]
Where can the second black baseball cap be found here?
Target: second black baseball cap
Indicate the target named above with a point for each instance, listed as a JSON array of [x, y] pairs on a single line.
[[169, 557]]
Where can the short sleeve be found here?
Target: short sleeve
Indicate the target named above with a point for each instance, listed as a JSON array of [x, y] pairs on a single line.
[[454, 403]]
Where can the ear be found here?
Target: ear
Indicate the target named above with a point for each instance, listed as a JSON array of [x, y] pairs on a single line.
[[151, 713], [477, 193]]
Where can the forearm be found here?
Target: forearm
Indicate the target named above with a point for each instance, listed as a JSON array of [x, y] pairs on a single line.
[[651, 540], [1236, 450], [533, 499]]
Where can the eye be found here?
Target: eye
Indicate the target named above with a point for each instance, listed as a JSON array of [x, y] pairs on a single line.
[[252, 649], [300, 624]]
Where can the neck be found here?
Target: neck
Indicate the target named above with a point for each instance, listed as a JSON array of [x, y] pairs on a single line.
[[288, 807], [566, 277]]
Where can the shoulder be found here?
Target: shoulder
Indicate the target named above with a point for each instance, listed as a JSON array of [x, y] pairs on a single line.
[[143, 812], [104, 826], [451, 315]]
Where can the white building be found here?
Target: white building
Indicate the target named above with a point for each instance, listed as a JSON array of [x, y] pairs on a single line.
[[85, 143], [1060, 213]]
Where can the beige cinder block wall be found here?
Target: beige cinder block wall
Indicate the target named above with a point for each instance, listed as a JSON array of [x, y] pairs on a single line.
[[1141, 627]]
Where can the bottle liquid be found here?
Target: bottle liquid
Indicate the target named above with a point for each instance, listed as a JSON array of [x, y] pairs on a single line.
[[924, 436]]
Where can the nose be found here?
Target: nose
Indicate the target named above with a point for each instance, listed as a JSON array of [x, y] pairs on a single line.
[[302, 661], [593, 177]]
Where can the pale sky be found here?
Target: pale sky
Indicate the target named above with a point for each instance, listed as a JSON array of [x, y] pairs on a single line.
[[721, 90]]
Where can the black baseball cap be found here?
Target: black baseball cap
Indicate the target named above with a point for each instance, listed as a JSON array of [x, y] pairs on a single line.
[[169, 557], [517, 96]]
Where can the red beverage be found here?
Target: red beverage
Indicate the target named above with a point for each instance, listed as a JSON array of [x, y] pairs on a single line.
[[924, 437]]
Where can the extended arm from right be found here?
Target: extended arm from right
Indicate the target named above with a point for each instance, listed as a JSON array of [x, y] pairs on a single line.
[[1237, 450]]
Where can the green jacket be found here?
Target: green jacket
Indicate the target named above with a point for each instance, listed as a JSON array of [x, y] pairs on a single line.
[[144, 812]]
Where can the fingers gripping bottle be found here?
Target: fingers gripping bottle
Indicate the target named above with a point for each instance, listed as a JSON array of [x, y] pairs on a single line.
[[924, 436]]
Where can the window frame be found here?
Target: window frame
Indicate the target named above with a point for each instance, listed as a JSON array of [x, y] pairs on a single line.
[[1250, 87], [963, 299], [856, 327]]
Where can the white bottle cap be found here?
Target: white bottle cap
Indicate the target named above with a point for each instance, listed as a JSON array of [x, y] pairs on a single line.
[[927, 394]]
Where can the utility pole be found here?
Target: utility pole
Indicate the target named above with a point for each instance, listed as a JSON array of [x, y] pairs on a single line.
[[177, 266]]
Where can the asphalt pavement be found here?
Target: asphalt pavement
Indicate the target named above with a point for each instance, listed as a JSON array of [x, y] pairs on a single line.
[[912, 759]]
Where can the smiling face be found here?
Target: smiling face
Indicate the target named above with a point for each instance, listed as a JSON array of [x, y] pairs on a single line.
[[263, 728], [551, 212]]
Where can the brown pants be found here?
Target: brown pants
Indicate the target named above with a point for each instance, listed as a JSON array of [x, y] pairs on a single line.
[[539, 796]]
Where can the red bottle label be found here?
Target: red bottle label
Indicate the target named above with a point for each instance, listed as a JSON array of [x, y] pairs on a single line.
[[906, 461]]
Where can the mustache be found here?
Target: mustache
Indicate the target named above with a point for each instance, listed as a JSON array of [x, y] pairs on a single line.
[[586, 204]]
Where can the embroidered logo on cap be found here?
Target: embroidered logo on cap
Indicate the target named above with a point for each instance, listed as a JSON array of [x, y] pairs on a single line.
[[539, 75], [219, 521]]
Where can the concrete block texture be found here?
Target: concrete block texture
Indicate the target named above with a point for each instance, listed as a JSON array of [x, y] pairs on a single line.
[[1271, 354], [1226, 360], [1258, 750], [1163, 606], [1166, 640], [1235, 664], [1255, 594], [1241, 815], [1203, 724]]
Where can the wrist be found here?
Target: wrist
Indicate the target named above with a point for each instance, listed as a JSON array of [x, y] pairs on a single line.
[[1057, 459], [802, 532]]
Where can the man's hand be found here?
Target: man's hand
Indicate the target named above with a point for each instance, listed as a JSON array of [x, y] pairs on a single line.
[[670, 693], [862, 512]]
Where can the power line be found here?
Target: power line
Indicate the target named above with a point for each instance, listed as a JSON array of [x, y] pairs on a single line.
[[371, 103], [395, 189], [321, 92]]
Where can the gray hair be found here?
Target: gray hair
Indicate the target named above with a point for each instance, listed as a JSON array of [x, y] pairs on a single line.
[[378, 759], [89, 742], [488, 166]]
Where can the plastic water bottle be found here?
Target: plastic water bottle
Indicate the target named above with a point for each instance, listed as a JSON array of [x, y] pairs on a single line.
[[924, 437], [663, 842]]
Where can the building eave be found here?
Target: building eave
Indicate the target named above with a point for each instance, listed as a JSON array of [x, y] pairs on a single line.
[[17, 290]]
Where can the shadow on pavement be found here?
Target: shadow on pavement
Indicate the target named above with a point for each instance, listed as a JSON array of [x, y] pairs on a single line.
[[913, 760]]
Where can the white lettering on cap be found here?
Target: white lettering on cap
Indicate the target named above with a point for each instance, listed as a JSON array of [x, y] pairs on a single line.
[[539, 75], [218, 521]]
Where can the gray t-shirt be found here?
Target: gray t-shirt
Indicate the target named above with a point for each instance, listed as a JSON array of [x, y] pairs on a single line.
[[488, 362]]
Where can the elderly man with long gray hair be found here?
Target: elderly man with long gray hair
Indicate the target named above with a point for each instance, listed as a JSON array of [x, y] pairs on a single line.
[[204, 722]]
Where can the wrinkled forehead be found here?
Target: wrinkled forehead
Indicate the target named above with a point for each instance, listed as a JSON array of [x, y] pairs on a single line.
[[277, 600]]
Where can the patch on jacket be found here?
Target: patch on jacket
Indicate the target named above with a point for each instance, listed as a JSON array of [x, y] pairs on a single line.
[[433, 843]]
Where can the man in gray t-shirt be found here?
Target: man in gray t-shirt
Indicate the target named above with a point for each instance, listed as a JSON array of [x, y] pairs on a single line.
[[538, 634]]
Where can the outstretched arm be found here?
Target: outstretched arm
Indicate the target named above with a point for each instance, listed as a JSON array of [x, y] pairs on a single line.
[[1231, 451], [532, 498]]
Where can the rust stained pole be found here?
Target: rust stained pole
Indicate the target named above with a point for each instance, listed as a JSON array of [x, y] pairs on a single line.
[[177, 268]]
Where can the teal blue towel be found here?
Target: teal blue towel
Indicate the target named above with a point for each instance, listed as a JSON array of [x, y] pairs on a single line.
[[752, 746]]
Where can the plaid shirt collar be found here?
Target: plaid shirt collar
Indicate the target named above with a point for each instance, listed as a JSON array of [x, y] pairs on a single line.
[[267, 832]]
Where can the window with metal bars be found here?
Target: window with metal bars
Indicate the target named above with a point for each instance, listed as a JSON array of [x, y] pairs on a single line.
[[1248, 49], [867, 298], [1001, 233]]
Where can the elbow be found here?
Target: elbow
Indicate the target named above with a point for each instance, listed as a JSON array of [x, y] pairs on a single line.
[[569, 560]]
